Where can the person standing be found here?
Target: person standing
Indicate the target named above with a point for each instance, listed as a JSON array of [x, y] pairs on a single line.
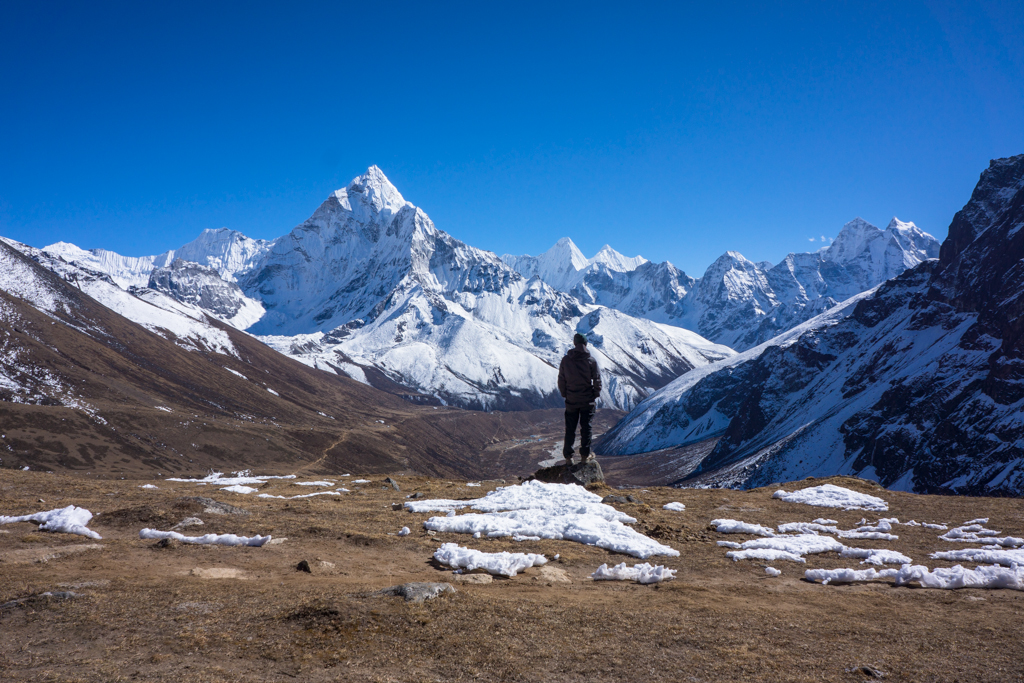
[[579, 383]]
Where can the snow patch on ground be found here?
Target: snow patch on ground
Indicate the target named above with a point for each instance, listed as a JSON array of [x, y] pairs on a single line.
[[831, 496], [242, 478], [990, 554], [69, 520], [641, 573], [535, 509], [791, 548], [502, 564], [239, 488], [302, 495], [733, 526], [941, 578], [674, 507], [208, 539]]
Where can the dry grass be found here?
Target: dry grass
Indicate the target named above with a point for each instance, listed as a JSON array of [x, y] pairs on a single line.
[[143, 614]]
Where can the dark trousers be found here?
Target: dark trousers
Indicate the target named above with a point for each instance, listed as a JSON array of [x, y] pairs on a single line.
[[581, 415]]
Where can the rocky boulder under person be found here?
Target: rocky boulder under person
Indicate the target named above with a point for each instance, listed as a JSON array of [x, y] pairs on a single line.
[[579, 383]]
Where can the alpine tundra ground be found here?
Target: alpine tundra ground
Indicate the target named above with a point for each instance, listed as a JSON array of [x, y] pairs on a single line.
[[211, 613]]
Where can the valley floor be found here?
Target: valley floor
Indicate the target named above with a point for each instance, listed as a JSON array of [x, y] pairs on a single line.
[[212, 613]]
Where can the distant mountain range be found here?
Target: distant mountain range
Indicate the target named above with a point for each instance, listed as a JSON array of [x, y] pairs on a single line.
[[918, 383], [736, 302], [368, 287]]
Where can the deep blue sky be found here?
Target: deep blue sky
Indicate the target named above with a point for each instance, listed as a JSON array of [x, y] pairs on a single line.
[[672, 131]]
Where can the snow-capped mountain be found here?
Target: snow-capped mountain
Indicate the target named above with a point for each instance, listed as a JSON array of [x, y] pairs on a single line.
[[228, 252], [737, 302], [370, 287], [917, 383]]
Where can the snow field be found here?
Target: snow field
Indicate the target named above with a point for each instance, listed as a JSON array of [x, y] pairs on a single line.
[[791, 548], [502, 564], [942, 578], [831, 496], [241, 478], [535, 510], [303, 495], [641, 573], [732, 526], [208, 539], [69, 520]]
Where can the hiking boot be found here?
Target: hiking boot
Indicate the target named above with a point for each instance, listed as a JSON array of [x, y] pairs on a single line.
[[568, 458], [586, 457]]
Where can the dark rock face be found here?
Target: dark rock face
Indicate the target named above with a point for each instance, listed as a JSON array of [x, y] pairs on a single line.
[[919, 385], [200, 286]]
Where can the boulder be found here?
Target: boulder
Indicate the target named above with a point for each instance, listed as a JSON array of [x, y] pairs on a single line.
[[418, 591], [583, 473]]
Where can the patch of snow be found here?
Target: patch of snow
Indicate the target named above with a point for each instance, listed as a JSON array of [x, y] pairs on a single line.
[[791, 548], [732, 526], [404, 531], [273, 392], [876, 556], [303, 495], [772, 571], [988, 554], [472, 484], [148, 486], [553, 511], [958, 577], [976, 533], [826, 576], [69, 520], [829, 495], [208, 539], [239, 488], [641, 573], [503, 564], [360, 481], [242, 477], [675, 507], [313, 483]]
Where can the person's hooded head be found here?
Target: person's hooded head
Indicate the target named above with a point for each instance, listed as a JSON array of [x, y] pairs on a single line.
[[579, 340]]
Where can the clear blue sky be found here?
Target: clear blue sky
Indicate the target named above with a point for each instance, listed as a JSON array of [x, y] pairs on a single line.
[[676, 131]]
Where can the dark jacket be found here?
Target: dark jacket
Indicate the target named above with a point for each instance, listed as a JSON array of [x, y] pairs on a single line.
[[579, 380]]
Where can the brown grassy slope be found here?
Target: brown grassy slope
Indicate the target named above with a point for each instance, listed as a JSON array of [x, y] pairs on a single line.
[[146, 613], [218, 419]]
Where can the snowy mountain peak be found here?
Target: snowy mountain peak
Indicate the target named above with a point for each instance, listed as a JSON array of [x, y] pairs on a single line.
[[373, 191], [563, 253], [226, 251], [616, 261], [897, 225]]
